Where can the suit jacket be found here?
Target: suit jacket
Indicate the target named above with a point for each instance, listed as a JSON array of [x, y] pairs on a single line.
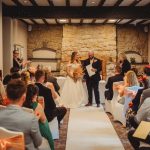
[[16, 64], [109, 85], [54, 81], [50, 106], [126, 66], [96, 65], [145, 94], [14, 118]]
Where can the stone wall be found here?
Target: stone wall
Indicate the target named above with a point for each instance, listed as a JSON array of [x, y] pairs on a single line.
[[99, 38], [52, 35], [132, 38]]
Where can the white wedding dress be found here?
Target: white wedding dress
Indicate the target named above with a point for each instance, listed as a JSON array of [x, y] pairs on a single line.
[[73, 94]]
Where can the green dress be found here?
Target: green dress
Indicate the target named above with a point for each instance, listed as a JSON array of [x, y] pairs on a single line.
[[45, 130]]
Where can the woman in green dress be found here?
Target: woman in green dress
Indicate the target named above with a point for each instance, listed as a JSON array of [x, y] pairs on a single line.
[[31, 102]]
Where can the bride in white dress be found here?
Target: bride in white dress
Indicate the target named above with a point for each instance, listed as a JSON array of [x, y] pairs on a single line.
[[73, 94]]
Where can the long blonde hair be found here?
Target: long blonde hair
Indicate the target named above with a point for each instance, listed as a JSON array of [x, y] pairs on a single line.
[[131, 79]]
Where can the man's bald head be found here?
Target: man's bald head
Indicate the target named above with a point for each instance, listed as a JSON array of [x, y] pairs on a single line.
[[91, 54]]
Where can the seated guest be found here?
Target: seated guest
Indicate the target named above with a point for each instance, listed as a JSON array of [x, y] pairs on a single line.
[[25, 76], [109, 85], [124, 63], [51, 110], [7, 78], [16, 76], [143, 114], [14, 118], [130, 80], [31, 102], [2, 93], [50, 78]]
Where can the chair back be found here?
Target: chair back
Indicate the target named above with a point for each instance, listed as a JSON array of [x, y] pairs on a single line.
[[11, 139]]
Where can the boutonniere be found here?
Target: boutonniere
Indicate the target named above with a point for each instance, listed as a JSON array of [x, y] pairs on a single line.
[[95, 60]]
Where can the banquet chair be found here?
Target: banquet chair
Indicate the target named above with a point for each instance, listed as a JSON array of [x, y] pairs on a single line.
[[109, 104], [54, 127], [121, 109], [11, 139]]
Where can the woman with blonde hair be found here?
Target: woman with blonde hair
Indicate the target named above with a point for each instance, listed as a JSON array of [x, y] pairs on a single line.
[[124, 63]]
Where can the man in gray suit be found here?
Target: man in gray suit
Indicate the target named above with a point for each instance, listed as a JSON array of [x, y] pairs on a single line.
[[145, 94], [14, 118]]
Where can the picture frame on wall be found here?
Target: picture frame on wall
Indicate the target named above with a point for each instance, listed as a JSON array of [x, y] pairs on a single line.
[[20, 48]]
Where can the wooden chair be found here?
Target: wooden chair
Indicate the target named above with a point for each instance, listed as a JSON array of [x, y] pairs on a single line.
[[11, 140]]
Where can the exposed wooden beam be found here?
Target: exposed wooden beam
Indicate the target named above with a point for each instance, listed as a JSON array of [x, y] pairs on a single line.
[[17, 2], [23, 21], [118, 3], [141, 22], [129, 21], [77, 12], [68, 3], [33, 2], [34, 21], [101, 3], [84, 3], [56, 21], [50, 2], [135, 2], [105, 21], [119, 20], [93, 21], [44, 20], [81, 21]]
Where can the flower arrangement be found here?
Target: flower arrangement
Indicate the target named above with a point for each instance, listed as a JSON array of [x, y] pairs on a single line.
[[77, 73]]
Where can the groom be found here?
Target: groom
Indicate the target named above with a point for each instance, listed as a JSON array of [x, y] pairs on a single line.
[[92, 82]]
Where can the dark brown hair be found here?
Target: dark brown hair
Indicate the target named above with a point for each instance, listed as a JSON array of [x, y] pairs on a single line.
[[15, 89], [32, 90], [39, 74]]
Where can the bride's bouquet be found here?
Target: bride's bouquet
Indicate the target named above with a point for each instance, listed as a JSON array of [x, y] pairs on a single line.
[[77, 74]]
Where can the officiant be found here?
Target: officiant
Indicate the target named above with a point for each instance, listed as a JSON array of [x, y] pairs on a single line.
[[92, 68]]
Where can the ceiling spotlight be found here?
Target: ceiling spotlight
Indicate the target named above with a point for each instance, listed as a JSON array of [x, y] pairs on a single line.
[[62, 20], [93, 2], [25, 1]]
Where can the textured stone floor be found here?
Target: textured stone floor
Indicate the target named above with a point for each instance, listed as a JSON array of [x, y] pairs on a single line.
[[121, 131]]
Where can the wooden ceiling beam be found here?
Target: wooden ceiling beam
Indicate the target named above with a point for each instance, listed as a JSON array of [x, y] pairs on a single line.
[[105, 21], [101, 3], [34, 21], [135, 2], [68, 3], [44, 20], [57, 21], [118, 3], [33, 2], [50, 2], [24, 21], [130, 21], [81, 21], [141, 22], [93, 21], [84, 3], [17, 2], [77, 12]]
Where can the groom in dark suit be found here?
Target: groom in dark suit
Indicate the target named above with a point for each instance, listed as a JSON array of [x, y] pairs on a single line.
[[92, 82]]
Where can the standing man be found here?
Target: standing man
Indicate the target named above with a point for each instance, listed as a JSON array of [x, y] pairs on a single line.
[[92, 81]]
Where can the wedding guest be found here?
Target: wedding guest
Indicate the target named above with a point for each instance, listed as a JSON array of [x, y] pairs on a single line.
[[31, 102], [109, 85], [16, 76], [143, 114], [50, 78], [130, 79], [2, 93], [14, 118], [51, 110], [92, 82], [124, 63], [25, 76]]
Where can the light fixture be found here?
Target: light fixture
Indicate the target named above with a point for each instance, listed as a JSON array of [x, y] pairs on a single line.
[[111, 20], [93, 2], [63, 20], [25, 1]]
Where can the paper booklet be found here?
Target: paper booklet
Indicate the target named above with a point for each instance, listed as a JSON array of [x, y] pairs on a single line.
[[90, 72], [143, 130]]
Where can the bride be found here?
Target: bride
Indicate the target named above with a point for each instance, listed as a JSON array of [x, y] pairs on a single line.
[[73, 93]]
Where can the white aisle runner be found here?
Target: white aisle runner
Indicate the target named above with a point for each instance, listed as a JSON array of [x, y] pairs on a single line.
[[90, 129]]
